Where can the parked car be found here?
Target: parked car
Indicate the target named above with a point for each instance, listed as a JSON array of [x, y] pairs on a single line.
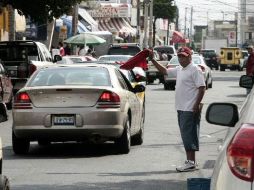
[[211, 58], [170, 81], [244, 59], [124, 49], [6, 94], [4, 182], [77, 102], [234, 166], [170, 51], [22, 58], [70, 59]]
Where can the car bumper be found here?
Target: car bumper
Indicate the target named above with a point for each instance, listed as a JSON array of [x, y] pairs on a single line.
[[108, 124]]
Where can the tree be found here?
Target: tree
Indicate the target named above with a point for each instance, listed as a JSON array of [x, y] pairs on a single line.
[[41, 11], [163, 9]]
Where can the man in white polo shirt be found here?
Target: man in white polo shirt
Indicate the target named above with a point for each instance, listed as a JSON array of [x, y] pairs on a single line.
[[190, 89]]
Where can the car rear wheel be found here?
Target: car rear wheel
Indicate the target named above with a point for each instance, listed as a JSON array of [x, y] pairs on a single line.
[[20, 146], [4, 183], [124, 142]]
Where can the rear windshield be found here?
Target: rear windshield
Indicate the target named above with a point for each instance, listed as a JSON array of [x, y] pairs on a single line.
[[124, 50], [10, 54], [89, 76], [114, 58], [195, 60], [167, 50]]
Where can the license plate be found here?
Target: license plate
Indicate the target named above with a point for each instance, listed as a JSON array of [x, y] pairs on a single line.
[[63, 120]]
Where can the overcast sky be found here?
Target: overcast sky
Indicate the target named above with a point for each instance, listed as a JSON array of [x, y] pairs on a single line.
[[205, 10]]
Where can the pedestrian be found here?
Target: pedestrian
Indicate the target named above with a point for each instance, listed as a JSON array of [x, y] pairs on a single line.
[[82, 50], [67, 49], [189, 92], [61, 48], [250, 63]]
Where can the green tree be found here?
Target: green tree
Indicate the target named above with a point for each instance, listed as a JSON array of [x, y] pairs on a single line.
[[163, 9], [41, 11]]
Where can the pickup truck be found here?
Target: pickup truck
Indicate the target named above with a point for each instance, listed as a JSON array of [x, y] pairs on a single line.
[[22, 58], [152, 73]]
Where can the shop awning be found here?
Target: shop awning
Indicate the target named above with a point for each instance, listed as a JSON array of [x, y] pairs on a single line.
[[88, 19], [118, 25]]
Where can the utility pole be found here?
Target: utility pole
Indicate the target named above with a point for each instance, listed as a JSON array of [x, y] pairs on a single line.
[[12, 26], [138, 21], [145, 24], [191, 23], [185, 19], [150, 42], [236, 28], [74, 19]]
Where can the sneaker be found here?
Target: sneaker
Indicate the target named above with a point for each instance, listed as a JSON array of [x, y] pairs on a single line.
[[188, 166]]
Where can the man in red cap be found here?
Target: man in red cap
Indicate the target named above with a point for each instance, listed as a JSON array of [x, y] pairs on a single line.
[[190, 89]]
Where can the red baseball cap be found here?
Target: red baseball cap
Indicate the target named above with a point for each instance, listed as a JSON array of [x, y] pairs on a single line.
[[185, 51]]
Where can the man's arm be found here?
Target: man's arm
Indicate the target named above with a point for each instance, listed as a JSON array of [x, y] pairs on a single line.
[[201, 92], [160, 67]]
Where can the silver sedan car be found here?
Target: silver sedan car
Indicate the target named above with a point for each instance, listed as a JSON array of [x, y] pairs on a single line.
[[234, 168], [170, 81], [77, 103]]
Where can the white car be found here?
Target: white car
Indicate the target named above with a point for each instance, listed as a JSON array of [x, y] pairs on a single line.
[[115, 58], [170, 81], [234, 168], [70, 59]]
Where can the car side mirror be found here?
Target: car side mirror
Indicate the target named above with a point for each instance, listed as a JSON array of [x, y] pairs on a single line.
[[57, 58], [225, 114], [246, 81], [139, 88]]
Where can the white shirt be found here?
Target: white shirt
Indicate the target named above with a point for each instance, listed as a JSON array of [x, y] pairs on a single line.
[[188, 80]]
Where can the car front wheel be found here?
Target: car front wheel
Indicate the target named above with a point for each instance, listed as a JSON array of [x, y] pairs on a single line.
[[20, 146]]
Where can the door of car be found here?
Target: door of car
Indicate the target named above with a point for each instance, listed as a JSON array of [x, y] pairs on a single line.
[[132, 99], [6, 85]]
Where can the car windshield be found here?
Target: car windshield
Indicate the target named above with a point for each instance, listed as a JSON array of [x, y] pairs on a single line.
[[114, 58], [195, 60], [124, 50], [78, 76], [167, 50], [18, 53]]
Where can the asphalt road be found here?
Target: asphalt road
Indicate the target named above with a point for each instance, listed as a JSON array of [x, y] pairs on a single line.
[[74, 166]]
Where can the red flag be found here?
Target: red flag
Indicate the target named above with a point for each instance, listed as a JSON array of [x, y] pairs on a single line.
[[139, 60], [177, 37]]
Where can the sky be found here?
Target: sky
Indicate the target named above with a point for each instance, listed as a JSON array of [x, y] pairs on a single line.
[[205, 10]]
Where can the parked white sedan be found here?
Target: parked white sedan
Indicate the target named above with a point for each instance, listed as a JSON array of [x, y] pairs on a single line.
[[170, 81], [234, 168]]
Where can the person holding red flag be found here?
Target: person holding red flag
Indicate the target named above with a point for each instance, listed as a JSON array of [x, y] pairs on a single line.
[[190, 89]]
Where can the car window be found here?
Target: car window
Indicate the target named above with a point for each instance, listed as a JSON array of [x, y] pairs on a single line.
[[124, 50], [174, 60], [167, 50], [196, 60], [114, 58], [71, 76]]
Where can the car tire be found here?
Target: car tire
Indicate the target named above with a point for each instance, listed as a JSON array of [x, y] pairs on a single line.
[[9, 104], [139, 138], [4, 183], [124, 142], [1, 165], [211, 84], [150, 81], [166, 86], [20, 146]]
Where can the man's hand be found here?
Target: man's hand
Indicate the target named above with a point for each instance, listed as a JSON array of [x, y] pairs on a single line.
[[151, 55]]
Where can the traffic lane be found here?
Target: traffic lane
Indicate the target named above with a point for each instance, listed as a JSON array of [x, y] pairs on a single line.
[[150, 166]]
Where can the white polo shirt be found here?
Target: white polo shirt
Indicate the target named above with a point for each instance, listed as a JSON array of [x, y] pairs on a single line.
[[188, 80]]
